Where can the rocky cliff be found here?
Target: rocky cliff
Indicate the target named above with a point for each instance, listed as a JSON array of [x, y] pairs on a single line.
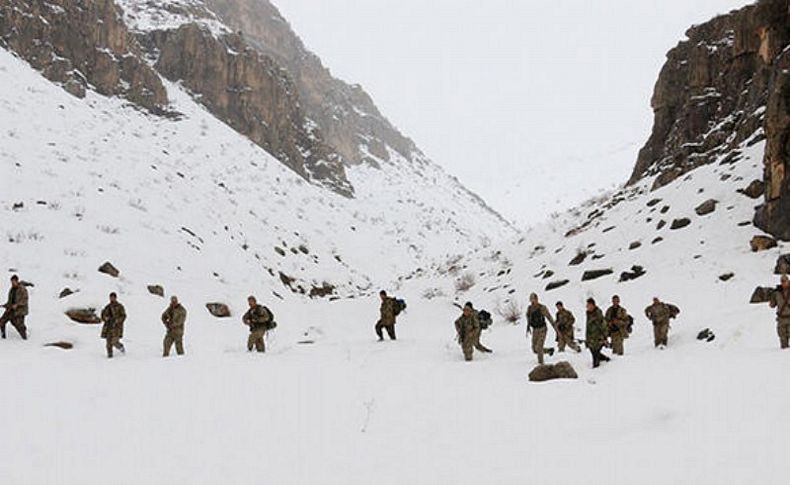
[[345, 113], [723, 88], [81, 44]]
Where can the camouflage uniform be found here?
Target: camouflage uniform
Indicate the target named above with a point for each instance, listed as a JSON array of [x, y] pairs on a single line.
[[174, 318], [468, 329], [565, 321], [387, 319], [113, 316], [617, 326], [596, 336], [781, 301], [16, 296], [537, 325], [258, 319], [659, 314]]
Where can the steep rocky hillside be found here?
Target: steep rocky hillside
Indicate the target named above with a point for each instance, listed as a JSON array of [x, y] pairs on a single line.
[[723, 87]]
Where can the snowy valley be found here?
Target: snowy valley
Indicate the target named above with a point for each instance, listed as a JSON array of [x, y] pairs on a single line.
[[181, 198]]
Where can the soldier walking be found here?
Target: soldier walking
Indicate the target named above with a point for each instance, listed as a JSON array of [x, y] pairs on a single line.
[[113, 315], [617, 325], [565, 333], [468, 330], [660, 313], [781, 301], [16, 308], [173, 319], [259, 319], [596, 333], [387, 317], [537, 314]]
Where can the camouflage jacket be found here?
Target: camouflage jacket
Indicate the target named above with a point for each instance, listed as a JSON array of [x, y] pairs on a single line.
[[565, 320], [660, 313], [781, 301], [113, 316], [532, 316], [257, 318], [617, 320], [17, 296], [596, 329], [464, 325], [174, 317], [387, 311]]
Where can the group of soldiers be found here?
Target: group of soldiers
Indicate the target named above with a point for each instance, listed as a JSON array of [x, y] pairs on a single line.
[[258, 318], [609, 329]]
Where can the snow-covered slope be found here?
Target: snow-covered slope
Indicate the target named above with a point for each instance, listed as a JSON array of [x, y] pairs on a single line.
[[191, 200]]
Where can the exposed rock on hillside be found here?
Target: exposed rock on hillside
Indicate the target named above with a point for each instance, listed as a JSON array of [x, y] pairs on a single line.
[[253, 95], [726, 85], [81, 45]]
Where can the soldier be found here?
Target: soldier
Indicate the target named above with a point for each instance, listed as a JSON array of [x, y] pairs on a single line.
[[259, 319], [387, 319], [565, 321], [174, 318], [781, 301], [15, 308], [659, 313], [596, 333], [617, 325], [113, 316], [537, 315], [467, 327]]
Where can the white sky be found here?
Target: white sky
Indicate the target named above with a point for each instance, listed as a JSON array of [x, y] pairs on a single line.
[[534, 104]]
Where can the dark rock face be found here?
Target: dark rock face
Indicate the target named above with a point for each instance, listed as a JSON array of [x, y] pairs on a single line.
[[636, 272], [86, 316], [80, 45], [253, 95], [65, 292], [345, 114], [762, 243], [549, 372], [578, 259], [707, 207], [762, 295], [556, 284], [680, 223], [709, 96], [783, 265], [595, 274], [754, 190], [219, 310], [108, 269]]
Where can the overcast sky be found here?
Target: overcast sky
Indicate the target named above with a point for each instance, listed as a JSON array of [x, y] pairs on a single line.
[[534, 104]]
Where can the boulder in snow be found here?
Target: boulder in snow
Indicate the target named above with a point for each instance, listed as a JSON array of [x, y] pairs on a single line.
[[108, 269], [636, 272], [578, 259], [707, 207], [596, 273], [754, 190], [61, 345], [157, 290], [762, 294], [548, 372], [85, 316], [66, 292], [219, 310], [762, 243], [556, 284], [680, 223], [783, 265]]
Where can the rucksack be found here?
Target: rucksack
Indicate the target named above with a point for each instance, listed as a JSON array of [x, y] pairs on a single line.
[[400, 306], [485, 319], [536, 318], [271, 324], [630, 326], [673, 311]]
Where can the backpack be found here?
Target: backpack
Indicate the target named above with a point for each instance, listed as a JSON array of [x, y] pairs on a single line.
[[630, 326], [673, 311], [536, 318], [399, 307], [271, 324], [485, 319]]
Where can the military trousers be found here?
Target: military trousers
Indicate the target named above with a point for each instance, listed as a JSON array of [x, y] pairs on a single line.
[[566, 338], [618, 343], [113, 342], [783, 329], [538, 342], [661, 333], [174, 337], [256, 340], [18, 322], [389, 328]]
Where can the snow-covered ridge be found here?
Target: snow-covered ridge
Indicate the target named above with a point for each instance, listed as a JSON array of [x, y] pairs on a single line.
[[145, 15]]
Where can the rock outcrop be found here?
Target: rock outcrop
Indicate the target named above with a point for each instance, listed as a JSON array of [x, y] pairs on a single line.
[[727, 84], [253, 95], [81, 45], [346, 115]]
